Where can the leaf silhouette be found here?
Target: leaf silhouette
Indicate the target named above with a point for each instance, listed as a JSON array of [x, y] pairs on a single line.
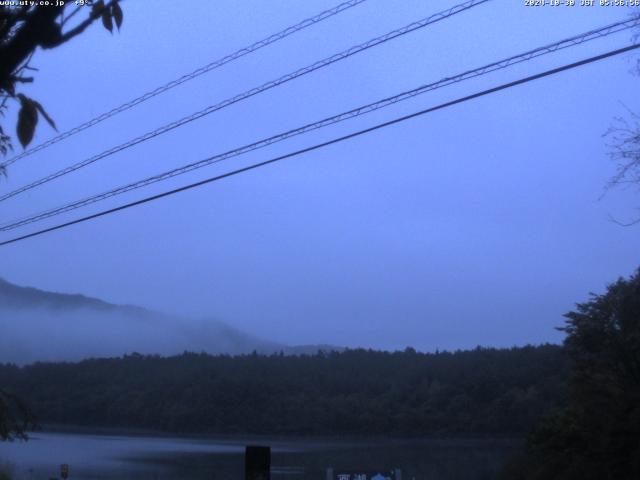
[[96, 8], [45, 114], [27, 120], [106, 20], [116, 12]]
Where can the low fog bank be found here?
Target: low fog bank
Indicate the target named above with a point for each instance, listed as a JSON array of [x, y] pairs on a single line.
[[40, 334], [36, 325]]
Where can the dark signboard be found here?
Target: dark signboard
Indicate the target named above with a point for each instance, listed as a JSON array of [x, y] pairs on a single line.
[[257, 464]]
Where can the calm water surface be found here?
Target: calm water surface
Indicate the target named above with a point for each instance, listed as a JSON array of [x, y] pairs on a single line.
[[146, 458]]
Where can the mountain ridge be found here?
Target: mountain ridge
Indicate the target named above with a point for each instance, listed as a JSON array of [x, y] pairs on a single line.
[[40, 325], [24, 296]]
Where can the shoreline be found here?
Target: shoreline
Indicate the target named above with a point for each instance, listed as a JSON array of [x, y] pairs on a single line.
[[235, 438]]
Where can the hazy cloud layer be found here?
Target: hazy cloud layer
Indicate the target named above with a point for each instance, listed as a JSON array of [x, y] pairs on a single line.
[[30, 335]]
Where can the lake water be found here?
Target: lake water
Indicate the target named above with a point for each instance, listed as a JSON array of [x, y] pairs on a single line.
[[148, 458]]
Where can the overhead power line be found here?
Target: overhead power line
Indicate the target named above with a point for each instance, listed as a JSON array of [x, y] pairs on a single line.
[[189, 76], [252, 92], [362, 110], [318, 146]]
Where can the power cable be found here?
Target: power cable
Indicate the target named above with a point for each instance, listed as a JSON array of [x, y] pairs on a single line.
[[250, 93], [362, 110], [327, 143], [189, 76]]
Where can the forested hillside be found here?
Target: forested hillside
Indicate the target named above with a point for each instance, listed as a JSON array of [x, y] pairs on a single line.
[[477, 392]]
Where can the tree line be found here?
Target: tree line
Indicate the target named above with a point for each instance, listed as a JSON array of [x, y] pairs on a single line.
[[485, 391]]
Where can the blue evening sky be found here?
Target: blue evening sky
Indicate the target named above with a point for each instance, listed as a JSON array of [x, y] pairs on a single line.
[[478, 224]]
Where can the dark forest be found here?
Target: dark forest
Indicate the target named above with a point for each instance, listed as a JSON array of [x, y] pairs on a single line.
[[356, 392]]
